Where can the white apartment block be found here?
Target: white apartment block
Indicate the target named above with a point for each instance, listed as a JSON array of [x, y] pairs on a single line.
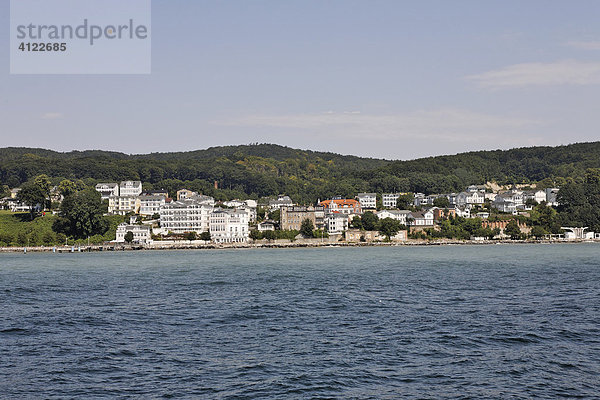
[[107, 189], [150, 205], [122, 205], [141, 233], [336, 223], [130, 188], [367, 200], [229, 226], [185, 216], [390, 200]]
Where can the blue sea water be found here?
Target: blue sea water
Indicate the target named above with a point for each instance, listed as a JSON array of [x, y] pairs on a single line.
[[504, 321]]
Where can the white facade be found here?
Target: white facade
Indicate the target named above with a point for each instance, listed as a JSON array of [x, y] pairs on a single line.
[[234, 203], [551, 194], [282, 201], [367, 200], [422, 218], [122, 205], [536, 195], [185, 194], [130, 188], [185, 216], [266, 226], [251, 203], [141, 233], [390, 200], [229, 226], [509, 202], [150, 205], [398, 215], [107, 189], [465, 198], [336, 223], [464, 212]]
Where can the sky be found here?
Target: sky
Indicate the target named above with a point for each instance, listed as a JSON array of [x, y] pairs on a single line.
[[387, 79]]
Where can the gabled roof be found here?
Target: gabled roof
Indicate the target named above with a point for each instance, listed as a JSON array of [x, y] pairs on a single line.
[[340, 202]]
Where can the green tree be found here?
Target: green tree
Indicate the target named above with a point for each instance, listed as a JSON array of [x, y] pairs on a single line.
[[275, 215], [370, 222], [513, 230], [205, 236], [81, 215], [67, 187], [48, 238], [269, 235], [190, 236], [307, 228], [129, 237], [45, 185], [32, 196], [538, 232], [260, 214], [441, 202], [405, 201], [356, 222], [255, 234], [389, 227], [4, 191]]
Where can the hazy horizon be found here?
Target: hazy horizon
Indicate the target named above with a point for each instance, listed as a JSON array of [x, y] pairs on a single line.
[[291, 147], [381, 79]]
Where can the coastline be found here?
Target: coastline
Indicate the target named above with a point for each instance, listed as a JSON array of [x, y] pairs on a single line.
[[223, 246]]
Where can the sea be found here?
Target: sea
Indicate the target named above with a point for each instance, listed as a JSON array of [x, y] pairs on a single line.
[[415, 322]]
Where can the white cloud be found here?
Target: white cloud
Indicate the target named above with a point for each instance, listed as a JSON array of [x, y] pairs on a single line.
[[52, 115], [447, 125], [568, 72], [585, 45]]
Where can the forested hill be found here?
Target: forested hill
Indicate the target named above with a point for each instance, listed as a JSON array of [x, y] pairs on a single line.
[[267, 169]]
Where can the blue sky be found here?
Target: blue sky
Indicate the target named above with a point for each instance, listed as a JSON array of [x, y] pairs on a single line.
[[373, 78]]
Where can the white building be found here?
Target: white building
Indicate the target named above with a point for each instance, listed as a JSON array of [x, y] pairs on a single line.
[[336, 223], [282, 201], [141, 233], [476, 188], [551, 197], [202, 199], [390, 200], [398, 215], [122, 205], [473, 198], [107, 189], [509, 202], [229, 226], [185, 194], [464, 212], [234, 203], [536, 195], [150, 204], [421, 218], [185, 216], [367, 200], [130, 188], [266, 226], [251, 203]]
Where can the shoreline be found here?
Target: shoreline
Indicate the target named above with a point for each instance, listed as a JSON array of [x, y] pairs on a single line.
[[224, 246]]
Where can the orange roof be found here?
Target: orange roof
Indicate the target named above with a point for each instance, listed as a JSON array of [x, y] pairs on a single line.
[[340, 203]]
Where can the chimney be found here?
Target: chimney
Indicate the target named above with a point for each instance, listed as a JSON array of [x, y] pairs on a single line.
[[216, 184]]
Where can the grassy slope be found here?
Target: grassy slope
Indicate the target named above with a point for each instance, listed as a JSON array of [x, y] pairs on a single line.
[[16, 229]]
